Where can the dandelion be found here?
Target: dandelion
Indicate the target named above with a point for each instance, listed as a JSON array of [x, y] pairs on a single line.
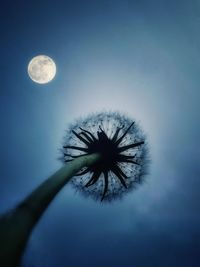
[[105, 156], [122, 146]]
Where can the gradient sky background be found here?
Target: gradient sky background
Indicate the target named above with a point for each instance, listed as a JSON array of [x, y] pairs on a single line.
[[139, 57]]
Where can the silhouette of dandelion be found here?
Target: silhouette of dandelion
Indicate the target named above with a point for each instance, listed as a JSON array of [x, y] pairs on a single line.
[[123, 149], [109, 156]]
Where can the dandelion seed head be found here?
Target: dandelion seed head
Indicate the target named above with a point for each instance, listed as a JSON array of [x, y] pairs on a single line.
[[124, 150]]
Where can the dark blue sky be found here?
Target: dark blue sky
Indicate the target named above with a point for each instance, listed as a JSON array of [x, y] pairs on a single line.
[[139, 57]]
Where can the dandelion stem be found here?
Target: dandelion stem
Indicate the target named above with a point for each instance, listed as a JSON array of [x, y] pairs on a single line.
[[16, 225]]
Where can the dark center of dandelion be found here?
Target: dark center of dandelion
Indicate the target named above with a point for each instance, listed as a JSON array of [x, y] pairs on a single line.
[[111, 155], [107, 149]]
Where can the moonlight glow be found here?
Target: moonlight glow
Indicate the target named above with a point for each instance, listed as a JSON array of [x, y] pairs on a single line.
[[42, 69]]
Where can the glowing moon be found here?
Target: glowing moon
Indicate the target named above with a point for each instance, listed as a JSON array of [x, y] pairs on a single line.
[[42, 69]]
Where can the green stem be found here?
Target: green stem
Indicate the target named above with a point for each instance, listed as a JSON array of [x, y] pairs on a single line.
[[16, 226]]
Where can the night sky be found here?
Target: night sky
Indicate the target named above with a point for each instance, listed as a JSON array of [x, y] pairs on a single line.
[[138, 57]]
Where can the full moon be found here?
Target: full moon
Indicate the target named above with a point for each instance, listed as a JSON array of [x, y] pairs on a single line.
[[42, 69]]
